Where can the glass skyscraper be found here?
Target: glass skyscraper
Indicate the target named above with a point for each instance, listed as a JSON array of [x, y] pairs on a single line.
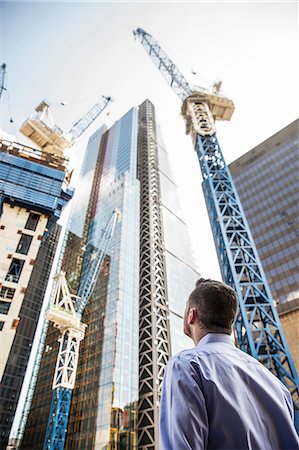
[[134, 317]]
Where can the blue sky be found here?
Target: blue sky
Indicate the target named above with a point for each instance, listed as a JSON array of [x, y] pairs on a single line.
[[75, 51]]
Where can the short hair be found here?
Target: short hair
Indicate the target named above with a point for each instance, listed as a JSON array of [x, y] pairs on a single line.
[[215, 303]]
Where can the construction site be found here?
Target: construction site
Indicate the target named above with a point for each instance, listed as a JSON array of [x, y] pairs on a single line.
[[108, 290]]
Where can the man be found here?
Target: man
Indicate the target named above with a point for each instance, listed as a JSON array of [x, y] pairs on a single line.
[[215, 396]]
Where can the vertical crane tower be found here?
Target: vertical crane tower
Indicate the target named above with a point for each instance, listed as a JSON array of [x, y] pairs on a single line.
[[257, 327], [66, 313]]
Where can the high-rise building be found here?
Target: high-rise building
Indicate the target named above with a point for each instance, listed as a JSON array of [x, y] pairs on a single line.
[[267, 181], [32, 196], [134, 317]]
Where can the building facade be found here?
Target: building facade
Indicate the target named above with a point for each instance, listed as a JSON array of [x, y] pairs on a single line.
[[32, 196], [267, 181], [134, 316]]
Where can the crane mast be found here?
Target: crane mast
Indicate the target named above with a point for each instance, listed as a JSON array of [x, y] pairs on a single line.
[[66, 313], [257, 327], [64, 316]]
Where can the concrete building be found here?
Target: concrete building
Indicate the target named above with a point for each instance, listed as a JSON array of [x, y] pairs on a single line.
[[135, 314], [32, 196], [267, 181]]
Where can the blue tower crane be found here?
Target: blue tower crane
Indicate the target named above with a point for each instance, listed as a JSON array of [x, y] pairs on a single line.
[[257, 327], [66, 313]]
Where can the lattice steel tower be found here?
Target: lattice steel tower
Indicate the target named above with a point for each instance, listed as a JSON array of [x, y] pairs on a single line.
[[154, 337], [257, 327]]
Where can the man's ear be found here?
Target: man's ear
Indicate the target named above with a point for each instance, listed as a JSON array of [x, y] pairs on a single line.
[[192, 315]]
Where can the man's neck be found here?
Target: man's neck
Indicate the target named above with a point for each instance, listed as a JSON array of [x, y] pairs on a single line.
[[199, 333]]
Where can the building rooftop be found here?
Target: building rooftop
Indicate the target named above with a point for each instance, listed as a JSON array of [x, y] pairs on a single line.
[[33, 179], [267, 146], [32, 154]]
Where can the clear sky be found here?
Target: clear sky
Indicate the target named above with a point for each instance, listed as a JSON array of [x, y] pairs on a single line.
[[75, 51]]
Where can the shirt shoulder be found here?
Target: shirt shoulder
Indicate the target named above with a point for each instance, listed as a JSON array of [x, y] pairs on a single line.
[[211, 357], [210, 349], [184, 355]]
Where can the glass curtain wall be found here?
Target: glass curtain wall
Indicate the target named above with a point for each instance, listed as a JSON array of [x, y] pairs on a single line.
[[117, 364], [181, 269], [104, 405]]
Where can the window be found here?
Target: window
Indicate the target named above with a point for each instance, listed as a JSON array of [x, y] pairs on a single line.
[[4, 307], [7, 292], [14, 271], [1, 325], [32, 221], [24, 244]]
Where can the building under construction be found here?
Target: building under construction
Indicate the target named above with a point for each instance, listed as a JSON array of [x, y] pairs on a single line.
[[33, 193], [34, 188], [147, 271]]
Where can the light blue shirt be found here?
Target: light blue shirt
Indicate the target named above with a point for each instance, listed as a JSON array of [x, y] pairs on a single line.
[[215, 396]]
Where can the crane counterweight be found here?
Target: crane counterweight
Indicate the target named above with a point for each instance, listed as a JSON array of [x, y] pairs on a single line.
[[41, 129], [200, 110]]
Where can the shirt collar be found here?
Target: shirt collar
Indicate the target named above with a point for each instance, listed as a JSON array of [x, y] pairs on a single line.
[[216, 337]]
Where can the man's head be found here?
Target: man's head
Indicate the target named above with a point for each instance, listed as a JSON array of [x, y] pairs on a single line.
[[211, 307]]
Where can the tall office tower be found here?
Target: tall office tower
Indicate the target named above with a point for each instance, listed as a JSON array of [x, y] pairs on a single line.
[[32, 196], [267, 182], [134, 317]]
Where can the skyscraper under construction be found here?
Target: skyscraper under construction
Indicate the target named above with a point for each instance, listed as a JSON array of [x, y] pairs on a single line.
[[134, 317], [33, 192]]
